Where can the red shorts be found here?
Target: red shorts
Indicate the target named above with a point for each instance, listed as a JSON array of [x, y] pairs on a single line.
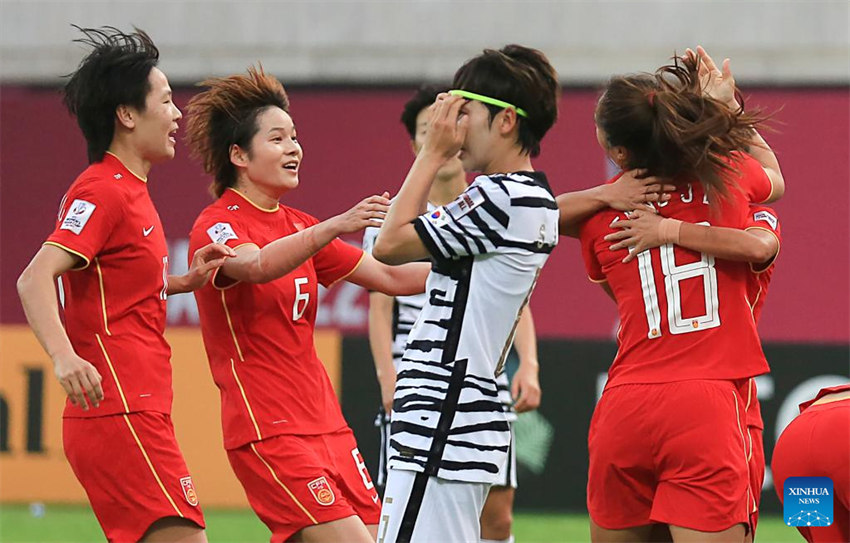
[[132, 471], [817, 444], [671, 453], [295, 481], [755, 446]]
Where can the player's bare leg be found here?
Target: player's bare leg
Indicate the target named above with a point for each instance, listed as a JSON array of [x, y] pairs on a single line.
[[174, 530], [735, 534], [373, 531], [349, 529], [598, 534], [497, 515]]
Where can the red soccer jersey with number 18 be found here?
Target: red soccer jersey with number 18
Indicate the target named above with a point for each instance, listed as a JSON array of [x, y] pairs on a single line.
[[683, 315], [115, 302], [259, 337]]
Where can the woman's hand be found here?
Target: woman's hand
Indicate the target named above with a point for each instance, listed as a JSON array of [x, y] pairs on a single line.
[[80, 379], [205, 261], [633, 191], [446, 127], [715, 83], [637, 233], [525, 388], [368, 212]]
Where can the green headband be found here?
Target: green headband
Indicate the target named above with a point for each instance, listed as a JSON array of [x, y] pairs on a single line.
[[487, 100]]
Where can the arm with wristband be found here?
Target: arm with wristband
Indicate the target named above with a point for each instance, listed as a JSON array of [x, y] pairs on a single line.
[[645, 230]]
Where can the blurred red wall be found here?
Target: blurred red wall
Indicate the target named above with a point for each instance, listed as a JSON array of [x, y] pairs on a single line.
[[354, 145]]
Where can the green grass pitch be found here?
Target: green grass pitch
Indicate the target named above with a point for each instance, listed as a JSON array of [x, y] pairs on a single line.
[[76, 524]]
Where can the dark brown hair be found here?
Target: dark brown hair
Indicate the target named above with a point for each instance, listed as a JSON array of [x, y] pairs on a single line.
[[670, 128], [520, 76], [225, 114], [114, 73], [423, 98]]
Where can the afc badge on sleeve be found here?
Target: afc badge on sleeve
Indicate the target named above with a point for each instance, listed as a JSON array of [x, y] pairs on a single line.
[[221, 232], [769, 218], [79, 213], [189, 491], [322, 491]]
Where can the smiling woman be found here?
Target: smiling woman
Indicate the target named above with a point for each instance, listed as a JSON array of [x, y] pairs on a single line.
[[283, 428], [109, 247]]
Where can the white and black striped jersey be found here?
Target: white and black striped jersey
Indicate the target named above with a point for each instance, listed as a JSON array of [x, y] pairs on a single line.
[[488, 247], [405, 308]]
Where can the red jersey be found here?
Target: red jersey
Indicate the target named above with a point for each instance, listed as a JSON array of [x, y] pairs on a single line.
[[823, 392], [259, 337], [763, 218], [683, 314], [115, 302]]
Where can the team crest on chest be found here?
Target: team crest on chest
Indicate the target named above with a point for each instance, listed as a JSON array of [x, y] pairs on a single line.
[[321, 490], [189, 491]]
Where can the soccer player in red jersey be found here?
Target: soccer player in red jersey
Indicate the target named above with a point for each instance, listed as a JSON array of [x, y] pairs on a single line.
[[817, 444], [284, 432], [758, 244], [109, 247], [687, 339]]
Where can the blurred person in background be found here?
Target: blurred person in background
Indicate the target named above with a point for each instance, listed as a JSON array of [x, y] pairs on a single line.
[[688, 368], [284, 432], [109, 248]]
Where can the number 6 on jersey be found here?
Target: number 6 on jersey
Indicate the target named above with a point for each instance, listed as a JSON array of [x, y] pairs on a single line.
[[300, 297]]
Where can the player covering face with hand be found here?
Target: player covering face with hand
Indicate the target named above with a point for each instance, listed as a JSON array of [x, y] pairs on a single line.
[[449, 434]]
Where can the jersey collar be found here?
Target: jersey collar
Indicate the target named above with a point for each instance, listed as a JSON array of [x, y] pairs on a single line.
[[245, 198], [111, 157]]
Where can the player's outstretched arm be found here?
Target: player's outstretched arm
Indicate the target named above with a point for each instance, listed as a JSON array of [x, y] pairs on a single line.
[[380, 343], [398, 241], [391, 280], [205, 261], [645, 230], [36, 288], [254, 265], [630, 191], [525, 387]]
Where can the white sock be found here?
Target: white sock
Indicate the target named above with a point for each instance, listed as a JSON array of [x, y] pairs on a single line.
[[508, 540]]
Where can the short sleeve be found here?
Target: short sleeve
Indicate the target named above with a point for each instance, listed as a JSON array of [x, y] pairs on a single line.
[[87, 216], [764, 218], [475, 223], [587, 237], [370, 234], [336, 261], [218, 226], [752, 180]]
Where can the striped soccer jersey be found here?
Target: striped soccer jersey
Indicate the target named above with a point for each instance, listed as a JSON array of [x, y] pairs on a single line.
[[406, 310], [488, 247]]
